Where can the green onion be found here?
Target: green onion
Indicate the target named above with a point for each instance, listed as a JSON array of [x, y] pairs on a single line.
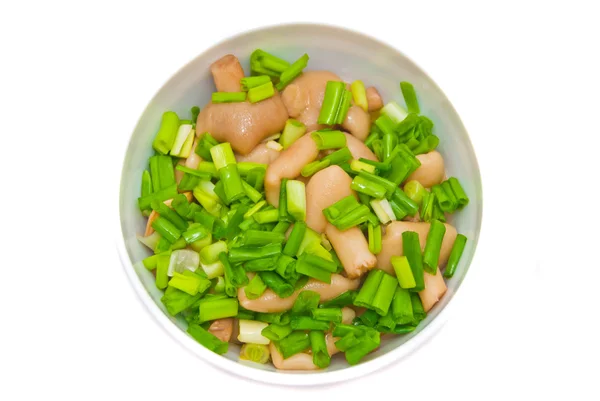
[[343, 107], [417, 306], [213, 309], [410, 97], [321, 357], [306, 302], [195, 112], [433, 246], [210, 253], [261, 264], [374, 234], [347, 342], [342, 330], [355, 217], [245, 253], [262, 62], [286, 267], [292, 72], [389, 186], [359, 94], [279, 286], [319, 262], [205, 218], [257, 353], [228, 97], [344, 299], [166, 229], [162, 245], [326, 139], [334, 94], [218, 285], [292, 131], [177, 301], [389, 142], [282, 227], [294, 343], [222, 155], [188, 182], [182, 146], [261, 92], [266, 216], [260, 238], [338, 157], [438, 213], [368, 187], [206, 141], [314, 167], [328, 314], [283, 211], [384, 295], [276, 332], [252, 82], [207, 339], [193, 172], [383, 210], [150, 262], [403, 271], [245, 167], [402, 310], [295, 239], [146, 183], [369, 289], [253, 210], [358, 166], [369, 318], [220, 192], [162, 269], [233, 273], [394, 112], [195, 232], [208, 168], [313, 271], [450, 194], [386, 125], [307, 323], [459, 192], [281, 318], [457, 250], [443, 200], [341, 207], [411, 248], [249, 191], [161, 171], [255, 288], [426, 145], [386, 323], [190, 284], [368, 343], [410, 206], [415, 191], [169, 214], [426, 212], [296, 199], [206, 196], [166, 134]]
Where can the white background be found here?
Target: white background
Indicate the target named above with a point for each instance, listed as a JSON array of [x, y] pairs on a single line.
[[524, 77]]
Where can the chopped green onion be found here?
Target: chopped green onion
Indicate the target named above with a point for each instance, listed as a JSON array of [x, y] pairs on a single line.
[[384, 295], [177, 301], [308, 323], [292, 131], [286, 267], [417, 306], [210, 254], [389, 186], [228, 97], [403, 271], [443, 200], [166, 134], [327, 139], [166, 229], [342, 330], [321, 357], [321, 263], [206, 196], [402, 310], [195, 112], [296, 199], [426, 145], [266, 216], [193, 172], [262, 62], [457, 250], [246, 167], [359, 94], [162, 245], [283, 211], [328, 314], [250, 332], [358, 166], [281, 318], [433, 246], [254, 209], [459, 192], [334, 94], [306, 302], [410, 206], [222, 155], [252, 82], [170, 215], [213, 270], [295, 239], [276, 332], [411, 248], [190, 284], [383, 210], [450, 194], [162, 173], [213, 309], [310, 237], [347, 342], [245, 253], [182, 146], [279, 286], [208, 168], [262, 264], [369, 289], [340, 156], [369, 318], [374, 234], [368, 187], [313, 271], [368, 343], [261, 92], [386, 125], [282, 227], [257, 353], [415, 191], [250, 191], [294, 343], [344, 299], [314, 167], [410, 97], [206, 141], [394, 112], [341, 207], [207, 339], [195, 232], [292, 72], [146, 183], [427, 204], [260, 238], [353, 218], [233, 273], [162, 269]]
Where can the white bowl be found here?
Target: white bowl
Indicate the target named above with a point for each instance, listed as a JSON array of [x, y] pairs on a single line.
[[352, 56]]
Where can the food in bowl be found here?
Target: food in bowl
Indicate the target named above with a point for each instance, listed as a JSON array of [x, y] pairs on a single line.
[[299, 215]]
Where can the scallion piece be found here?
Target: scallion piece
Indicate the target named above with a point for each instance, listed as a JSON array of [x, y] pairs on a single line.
[[262, 62], [417, 306], [438, 213], [282, 227], [403, 271], [426, 145], [193, 172], [166, 134], [296, 199], [358, 166], [182, 146], [276, 332], [222, 155], [228, 97], [260, 238], [383, 210], [328, 139], [411, 248], [321, 357], [374, 234], [162, 269], [261, 92], [234, 273], [328, 314], [441, 197], [246, 167], [253, 210], [410, 97], [344, 299], [170, 215], [369, 289], [246, 253], [341, 207], [410, 206], [283, 211], [292, 72], [282, 288], [257, 353], [206, 196], [384, 295], [368, 343], [191, 284], [415, 191], [177, 301], [394, 112], [306, 302], [295, 239], [338, 157], [433, 246], [353, 218], [255, 288], [146, 184], [207, 339], [251, 82], [195, 232], [368, 187], [166, 229], [266, 216], [262, 264], [359, 94], [455, 254], [321, 263], [426, 212], [210, 253], [313, 271], [308, 323], [294, 343], [369, 318], [450, 194], [459, 192], [250, 191], [292, 131], [286, 267], [334, 93], [347, 342], [402, 310], [314, 167], [217, 308], [205, 142], [208, 168]]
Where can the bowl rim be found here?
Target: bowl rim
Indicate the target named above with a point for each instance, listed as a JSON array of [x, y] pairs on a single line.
[[289, 378]]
